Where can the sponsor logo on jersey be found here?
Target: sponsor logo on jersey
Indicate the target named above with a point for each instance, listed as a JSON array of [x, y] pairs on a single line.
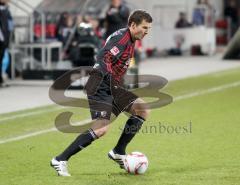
[[114, 50]]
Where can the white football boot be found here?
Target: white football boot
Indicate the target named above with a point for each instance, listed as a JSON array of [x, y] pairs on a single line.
[[60, 167], [117, 158]]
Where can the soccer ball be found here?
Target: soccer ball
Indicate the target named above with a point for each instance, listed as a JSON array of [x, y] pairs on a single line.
[[136, 163]]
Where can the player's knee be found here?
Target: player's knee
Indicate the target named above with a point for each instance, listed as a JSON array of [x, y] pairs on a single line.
[[144, 113], [100, 128], [101, 131], [141, 108]]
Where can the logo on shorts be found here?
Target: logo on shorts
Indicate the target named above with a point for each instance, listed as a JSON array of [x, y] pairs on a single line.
[[115, 50], [100, 114], [103, 114]]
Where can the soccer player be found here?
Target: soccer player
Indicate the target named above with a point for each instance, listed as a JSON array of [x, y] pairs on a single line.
[[106, 95]]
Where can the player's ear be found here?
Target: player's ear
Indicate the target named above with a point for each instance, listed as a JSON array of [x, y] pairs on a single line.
[[133, 25]]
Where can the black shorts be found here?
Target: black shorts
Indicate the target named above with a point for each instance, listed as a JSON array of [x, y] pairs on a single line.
[[106, 96]]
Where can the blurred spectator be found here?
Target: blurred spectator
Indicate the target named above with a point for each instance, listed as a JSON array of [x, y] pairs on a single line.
[[67, 29], [209, 14], [95, 25], [79, 19], [84, 45], [182, 21], [231, 12], [117, 17], [6, 26], [204, 14], [60, 25], [198, 14]]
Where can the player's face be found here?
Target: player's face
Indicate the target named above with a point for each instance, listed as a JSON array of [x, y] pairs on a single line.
[[139, 31]]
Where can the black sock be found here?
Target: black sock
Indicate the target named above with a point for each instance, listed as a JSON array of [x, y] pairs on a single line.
[[82, 141], [132, 126]]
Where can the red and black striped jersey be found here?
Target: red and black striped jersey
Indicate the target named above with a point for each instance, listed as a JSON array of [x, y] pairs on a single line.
[[115, 56]]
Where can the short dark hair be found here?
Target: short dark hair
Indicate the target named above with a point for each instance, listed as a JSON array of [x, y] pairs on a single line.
[[138, 16]]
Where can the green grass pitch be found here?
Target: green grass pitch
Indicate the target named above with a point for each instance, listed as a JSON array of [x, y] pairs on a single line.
[[195, 140]]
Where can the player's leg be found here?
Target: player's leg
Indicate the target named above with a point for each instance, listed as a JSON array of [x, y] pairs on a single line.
[[139, 111], [100, 108], [129, 102], [140, 108], [98, 129]]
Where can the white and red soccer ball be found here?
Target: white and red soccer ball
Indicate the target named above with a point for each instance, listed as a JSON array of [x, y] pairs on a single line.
[[136, 163]]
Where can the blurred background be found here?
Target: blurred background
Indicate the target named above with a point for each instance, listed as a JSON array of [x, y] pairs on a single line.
[[46, 38]]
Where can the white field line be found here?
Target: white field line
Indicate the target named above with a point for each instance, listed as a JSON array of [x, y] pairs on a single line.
[[182, 97], [39, 132], [2, 120], [27, 135], [207, 91]]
